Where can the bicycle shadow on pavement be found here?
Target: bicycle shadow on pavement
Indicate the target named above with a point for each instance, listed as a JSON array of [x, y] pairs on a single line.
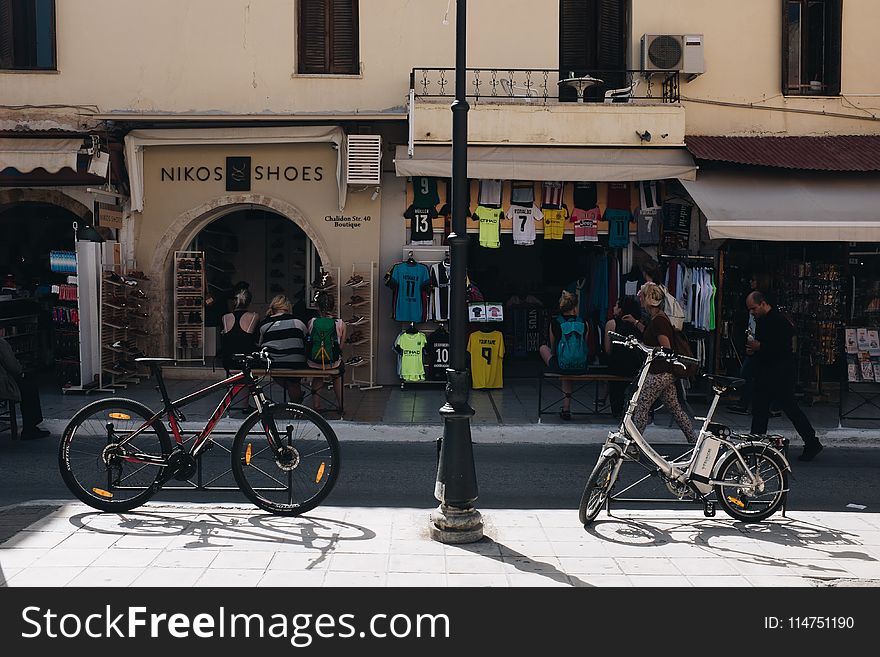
[[318, 535], [804, 540]]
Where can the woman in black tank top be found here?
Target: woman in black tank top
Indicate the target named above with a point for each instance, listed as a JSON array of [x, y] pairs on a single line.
[[239, 334]]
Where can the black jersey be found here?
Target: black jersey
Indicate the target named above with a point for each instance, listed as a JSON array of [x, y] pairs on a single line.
[[425, 191], [421, 224], [437, 355]]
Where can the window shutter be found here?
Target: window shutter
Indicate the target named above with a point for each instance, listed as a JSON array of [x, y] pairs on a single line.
[[783, 40], [576, 42], [344, 49], [832, 44], [611, 54], [5, 33], [312, 36]]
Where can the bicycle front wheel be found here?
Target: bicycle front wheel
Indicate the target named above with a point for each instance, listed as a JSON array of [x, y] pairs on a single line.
[[101, 472], [598, 488], [301, 474], [745, 499]]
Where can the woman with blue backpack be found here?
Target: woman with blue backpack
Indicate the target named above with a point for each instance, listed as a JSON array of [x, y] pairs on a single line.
[[567, 351]]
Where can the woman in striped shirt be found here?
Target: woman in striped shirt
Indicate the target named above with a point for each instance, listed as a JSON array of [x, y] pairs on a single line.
[[283, 336]]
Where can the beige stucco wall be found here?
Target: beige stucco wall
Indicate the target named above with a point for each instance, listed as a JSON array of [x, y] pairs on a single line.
[[174, 211], [743, 66]]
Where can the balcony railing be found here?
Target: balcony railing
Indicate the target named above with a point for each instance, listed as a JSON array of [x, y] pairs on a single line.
[[542, 86]]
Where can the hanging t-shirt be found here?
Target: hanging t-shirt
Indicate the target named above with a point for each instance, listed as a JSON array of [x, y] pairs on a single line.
[[410, 347], [618, 227], [551, 194], [490, 226], [439, 310], [554, 223], [649, 198], [522, 193], [523, 218], [438, 355], [421, 221], [586, 224], [409, 281], [647, 227], [487, 354], [619, 196], [490, 193], [585, 196], [425, 191]]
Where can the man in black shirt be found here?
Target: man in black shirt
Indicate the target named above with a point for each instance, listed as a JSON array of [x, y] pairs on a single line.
[[775, 373]]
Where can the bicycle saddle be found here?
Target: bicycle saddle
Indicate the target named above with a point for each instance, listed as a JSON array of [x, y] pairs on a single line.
[[724, 381], [154, 360]]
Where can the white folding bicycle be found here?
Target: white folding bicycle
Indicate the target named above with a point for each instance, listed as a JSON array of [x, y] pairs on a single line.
[[746, 474]]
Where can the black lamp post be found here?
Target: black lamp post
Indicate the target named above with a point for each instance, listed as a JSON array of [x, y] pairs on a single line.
[[456, 520]]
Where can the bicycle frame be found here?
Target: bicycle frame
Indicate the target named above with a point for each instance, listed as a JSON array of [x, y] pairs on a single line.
[[235, 384]]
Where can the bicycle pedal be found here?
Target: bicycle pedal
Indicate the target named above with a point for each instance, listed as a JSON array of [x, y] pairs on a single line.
[[709, 509]]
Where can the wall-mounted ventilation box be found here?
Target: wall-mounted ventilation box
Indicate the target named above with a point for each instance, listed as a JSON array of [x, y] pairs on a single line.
[[364, 160], [674, 52]]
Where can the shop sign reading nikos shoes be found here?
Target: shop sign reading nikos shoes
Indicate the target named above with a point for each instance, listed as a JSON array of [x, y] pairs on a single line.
[[239, 172]]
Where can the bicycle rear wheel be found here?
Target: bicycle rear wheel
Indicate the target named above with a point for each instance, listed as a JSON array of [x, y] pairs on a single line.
[[598, 488], [740, 498], [96, 470], [302, 475]]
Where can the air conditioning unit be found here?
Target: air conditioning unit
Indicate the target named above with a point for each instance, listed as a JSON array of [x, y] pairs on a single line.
[[673, 52], [363, 164]]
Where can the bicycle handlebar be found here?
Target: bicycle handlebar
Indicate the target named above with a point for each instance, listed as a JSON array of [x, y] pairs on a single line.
[[665, 353], [257, 356]]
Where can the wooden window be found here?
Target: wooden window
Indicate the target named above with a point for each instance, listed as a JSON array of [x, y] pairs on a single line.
[[811, 47], [327, 31], [27, 34], [592, 39]]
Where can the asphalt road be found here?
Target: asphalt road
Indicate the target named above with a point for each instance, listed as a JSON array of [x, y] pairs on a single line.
[[509, 476]]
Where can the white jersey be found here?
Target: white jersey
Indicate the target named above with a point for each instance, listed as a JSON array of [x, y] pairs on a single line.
[[439, 310], [524, 218]]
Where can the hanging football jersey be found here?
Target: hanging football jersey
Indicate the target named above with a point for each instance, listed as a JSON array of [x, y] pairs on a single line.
[[523, 218], [410, 347], [619, 196], [649, 198], [647, 227], [551, 194], [586, 224], [585, 196], [409, 281], [437, 355], [421, 221], [490, 226], [487, 354], [522, 193], [490, 193], [425, 191], [554, 223], [439, 310], [618, 227]]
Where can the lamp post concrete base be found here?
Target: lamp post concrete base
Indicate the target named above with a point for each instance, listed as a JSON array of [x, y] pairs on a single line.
[[453, 525]]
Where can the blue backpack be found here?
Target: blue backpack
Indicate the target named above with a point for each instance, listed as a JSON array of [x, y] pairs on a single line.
[[571, 350]]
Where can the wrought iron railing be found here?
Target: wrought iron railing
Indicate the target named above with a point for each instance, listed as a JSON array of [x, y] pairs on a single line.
[[542, 86]]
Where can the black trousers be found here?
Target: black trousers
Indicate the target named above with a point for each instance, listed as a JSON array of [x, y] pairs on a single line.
[[31, 411], [776, 385]]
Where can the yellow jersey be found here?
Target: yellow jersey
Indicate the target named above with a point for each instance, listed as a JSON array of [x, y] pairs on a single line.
[[487, 354], [554, 223]]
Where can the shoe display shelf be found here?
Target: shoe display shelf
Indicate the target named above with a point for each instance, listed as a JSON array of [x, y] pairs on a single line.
[[359, 313], [189, 306], [123, 315]]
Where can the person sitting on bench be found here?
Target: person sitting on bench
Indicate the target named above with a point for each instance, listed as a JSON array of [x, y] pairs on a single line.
[[567, 351], [326, 334], [284, 337]]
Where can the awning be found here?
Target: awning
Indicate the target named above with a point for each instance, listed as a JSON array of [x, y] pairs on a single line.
[[551, 163], [799, 207], [26, 154], [137, 140]]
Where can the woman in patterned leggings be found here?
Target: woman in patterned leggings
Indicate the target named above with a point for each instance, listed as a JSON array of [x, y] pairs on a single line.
[[660, 381]]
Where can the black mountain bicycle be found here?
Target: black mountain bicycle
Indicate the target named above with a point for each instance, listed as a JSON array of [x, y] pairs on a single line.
[[115, 454]]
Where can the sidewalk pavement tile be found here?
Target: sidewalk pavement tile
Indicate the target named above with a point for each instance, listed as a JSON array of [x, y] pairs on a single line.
[[230, 577], [416, 580], [294, 578], [417, 563], [333, 578], [134, 557], [64, 557], [240, 560], [117, 576], [303, 561], [666, 581], [155, 576], [721, 581], [48, 576], [648, 565], [692, 567], [29, 539], [359, 563], [193, 558]]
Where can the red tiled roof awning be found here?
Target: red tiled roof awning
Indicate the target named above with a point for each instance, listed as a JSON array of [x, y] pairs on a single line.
[[835, 153]]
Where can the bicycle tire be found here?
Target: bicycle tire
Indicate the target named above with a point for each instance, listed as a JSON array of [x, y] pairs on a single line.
[[117, 486], [599, 485], [736, 500], [310, 473]]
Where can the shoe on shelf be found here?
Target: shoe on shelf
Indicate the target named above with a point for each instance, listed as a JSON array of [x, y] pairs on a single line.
[[138, 274], [33, 433], [354, 280], [355, 300], [139, 294], [739, 410], [810, 452], [355, 361], [356, 320]]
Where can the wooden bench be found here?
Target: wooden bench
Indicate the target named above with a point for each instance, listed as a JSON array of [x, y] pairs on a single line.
[[579, 382], [328, 400]]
